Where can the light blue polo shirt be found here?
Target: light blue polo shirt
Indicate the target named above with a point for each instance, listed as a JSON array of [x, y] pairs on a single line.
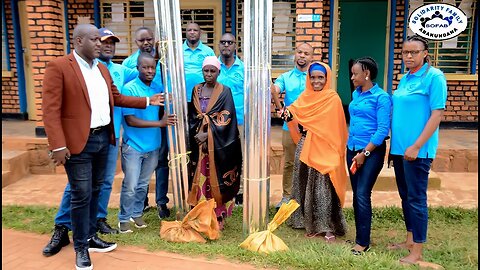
[[233, 78], [292, 83], [142, 139], [131, 62], [192, 62], [414, 100], [121, 75]]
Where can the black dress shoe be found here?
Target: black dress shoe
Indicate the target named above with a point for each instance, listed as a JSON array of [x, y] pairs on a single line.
[[82, 261], [104, 228], [59, 240], [163, 211], [96, 244]]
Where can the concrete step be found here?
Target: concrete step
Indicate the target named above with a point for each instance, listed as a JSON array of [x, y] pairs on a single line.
[[22, 142], [15, 165]]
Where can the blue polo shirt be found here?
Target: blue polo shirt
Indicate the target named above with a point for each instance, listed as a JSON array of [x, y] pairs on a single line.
[[233, 78], [292, 83], [142, 139], [414, 100], [120, 75], [370, 116], [192, 62], [131, 62]]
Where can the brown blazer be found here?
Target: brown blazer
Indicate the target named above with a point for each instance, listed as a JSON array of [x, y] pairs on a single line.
[[66, 104]]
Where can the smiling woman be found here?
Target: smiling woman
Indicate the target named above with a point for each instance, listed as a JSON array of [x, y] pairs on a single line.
[[319, 174]]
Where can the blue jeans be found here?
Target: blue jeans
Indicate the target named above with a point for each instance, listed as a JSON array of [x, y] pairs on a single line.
[[63, 214], [86, 172], [138, 169], [412, 183], [161, 172], [106, 189], [362, 184]]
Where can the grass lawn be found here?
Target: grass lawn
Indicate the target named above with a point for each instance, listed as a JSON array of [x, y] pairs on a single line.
[[452, 240]]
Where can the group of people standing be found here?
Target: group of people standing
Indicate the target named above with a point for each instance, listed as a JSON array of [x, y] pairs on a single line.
[[88, 100], [319, 147], [94, 109]]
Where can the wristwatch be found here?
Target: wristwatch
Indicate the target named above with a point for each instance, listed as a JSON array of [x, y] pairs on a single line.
[[366, 152]]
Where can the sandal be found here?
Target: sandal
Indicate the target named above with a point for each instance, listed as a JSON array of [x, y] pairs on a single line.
[[330, 239], [360, 252], [311, 235]]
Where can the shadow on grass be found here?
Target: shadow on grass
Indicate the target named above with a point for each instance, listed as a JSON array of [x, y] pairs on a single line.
[[452, 239]]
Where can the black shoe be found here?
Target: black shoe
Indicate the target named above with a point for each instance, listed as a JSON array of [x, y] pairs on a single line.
[[163, 211], [59, 240], [239, 199], [96, 244], [82, 261], [104, 228], [358, 252]]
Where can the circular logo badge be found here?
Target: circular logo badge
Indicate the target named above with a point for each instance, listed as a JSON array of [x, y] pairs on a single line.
[[437, 21]]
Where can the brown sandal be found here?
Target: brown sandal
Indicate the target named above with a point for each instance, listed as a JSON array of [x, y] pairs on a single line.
[[312, 235]]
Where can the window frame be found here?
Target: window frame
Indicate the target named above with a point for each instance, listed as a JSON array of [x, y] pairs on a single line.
[[6, 72], [276, 70]]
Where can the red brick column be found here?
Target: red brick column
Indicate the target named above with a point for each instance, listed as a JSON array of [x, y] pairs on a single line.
[[46, 42], [312, 32]]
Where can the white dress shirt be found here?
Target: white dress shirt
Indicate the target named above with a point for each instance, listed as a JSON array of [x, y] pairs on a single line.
[[97, 92]]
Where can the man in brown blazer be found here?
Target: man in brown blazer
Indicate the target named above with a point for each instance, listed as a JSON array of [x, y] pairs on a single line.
[[78, 99]]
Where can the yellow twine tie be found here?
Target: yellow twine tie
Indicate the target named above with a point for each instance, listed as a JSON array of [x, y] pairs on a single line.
[[179, 156]]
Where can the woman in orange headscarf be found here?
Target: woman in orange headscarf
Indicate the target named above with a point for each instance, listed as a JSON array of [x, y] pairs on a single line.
[[320, 175]]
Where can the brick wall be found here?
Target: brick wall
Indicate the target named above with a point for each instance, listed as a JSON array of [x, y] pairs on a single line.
[[76, 9], [10, 101], [311, 32], [462, 102], [398, 37], [325, 17], [46, 42], [46, 36]]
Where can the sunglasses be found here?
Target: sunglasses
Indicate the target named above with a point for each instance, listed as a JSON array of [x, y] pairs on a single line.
[[227, 42]]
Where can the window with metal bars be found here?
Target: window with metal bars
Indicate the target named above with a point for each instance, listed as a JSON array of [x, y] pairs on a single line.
[[205, 18], [453, 55], [5, 48], [123, 17], [283, 34]]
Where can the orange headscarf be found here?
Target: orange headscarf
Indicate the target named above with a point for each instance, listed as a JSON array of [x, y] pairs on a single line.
[[321, 113]]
